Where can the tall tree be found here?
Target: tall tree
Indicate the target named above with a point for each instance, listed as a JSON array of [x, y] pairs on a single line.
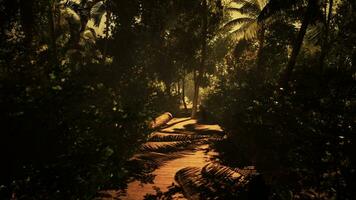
[[210, 15], [328, 12], [52, 32], [183, 94], [198, 73], [311, 10], [27, 19], [307, 19]]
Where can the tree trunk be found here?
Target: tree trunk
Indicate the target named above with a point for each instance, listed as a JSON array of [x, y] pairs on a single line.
[[353, 62], [325, 42], [196, 95], [197, 77], [178, 88], [183, 95], [261, 41], [27, 20], [168, 88], [52, 31], [298, 43]]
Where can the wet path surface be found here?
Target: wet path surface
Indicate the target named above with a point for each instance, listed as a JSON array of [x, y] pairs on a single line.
[[196, 154]]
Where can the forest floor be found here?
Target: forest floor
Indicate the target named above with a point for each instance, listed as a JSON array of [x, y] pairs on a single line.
[[196, 154]]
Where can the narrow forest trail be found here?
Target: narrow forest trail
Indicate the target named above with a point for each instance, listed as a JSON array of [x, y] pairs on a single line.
[[181, 143]]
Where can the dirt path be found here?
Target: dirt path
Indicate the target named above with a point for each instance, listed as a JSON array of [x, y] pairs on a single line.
[[196, 154]]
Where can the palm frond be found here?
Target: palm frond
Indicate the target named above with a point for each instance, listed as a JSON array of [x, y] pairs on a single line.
[[275, 6], [239, 1], [164, 147], [261, 3], [314, 33], [237, 22], [246, 31], [216, 172], [257, 4], [191, 182], [163, 137], [250, 8], [247, 171], [89, 34], [153, 160], [97, 12], [243, 10], [72, 5], [69, 16], [213, 181]]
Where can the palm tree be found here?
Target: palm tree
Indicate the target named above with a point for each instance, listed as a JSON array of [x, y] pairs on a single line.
[[310, 13], [261, 10], [245, 22], [298, 42]]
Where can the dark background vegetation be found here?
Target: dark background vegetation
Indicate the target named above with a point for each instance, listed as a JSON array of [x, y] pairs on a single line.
[[75, 105], [299, 135]]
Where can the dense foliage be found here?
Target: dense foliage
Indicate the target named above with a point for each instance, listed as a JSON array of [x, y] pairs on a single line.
[[80, 80], [299, 136], [75, 103]]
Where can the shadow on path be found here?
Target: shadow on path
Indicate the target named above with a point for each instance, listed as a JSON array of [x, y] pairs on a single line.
[[192, 151]]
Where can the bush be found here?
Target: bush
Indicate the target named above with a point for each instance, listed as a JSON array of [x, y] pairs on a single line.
[[300, 139]]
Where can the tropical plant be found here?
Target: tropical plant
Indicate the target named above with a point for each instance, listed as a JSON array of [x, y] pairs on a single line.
[[216, 181], [281, 134], [311, 12], [245, 23], [77, 16], [77, 122], [250, 17], [210, 15]]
